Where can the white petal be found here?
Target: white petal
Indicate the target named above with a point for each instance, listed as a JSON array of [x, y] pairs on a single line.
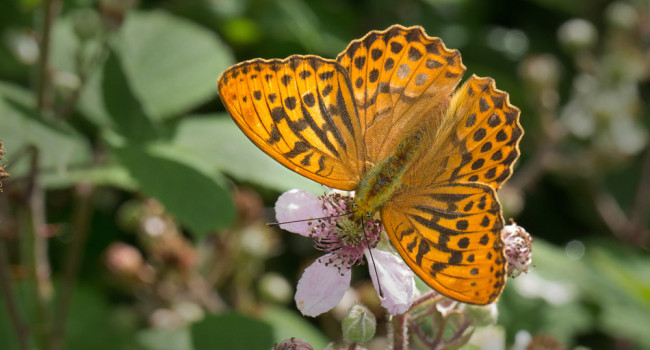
[[396, 278], [298, 205], [321, 287]]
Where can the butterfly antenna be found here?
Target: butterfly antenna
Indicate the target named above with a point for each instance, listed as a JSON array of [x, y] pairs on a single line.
[[310, 219], [363, 225]]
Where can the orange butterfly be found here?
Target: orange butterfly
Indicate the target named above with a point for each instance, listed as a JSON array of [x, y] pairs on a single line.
[[383, 120]]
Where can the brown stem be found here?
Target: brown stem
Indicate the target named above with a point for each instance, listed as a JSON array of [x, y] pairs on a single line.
[[441, 330], [420, 335], [400, 335], [6, 286], [636, 229], [459, 333], [37, 250], [74, 256], [43, 64], [612, 215], [429, 297]]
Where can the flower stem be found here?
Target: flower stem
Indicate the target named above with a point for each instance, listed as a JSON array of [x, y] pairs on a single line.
[[74, 256], [36, 253], [400, 332], [43, 64]]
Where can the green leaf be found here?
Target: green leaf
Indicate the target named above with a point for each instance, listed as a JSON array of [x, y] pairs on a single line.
[[121, 104], [231, 331], [172, 64], [195, 196], [60, 147], [217, 141], [287, 324], [93, 324]]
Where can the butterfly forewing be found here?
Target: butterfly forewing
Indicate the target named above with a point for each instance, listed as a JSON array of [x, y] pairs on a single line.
[[300, 112], [478, 140], [398, 77], [450, 237]]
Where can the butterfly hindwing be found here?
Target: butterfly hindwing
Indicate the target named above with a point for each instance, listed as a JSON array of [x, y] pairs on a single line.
[[398, 76], [300, 112], [450, 237], [478, 140]]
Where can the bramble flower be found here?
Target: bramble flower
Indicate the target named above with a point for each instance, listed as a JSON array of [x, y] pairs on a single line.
[[345, 241], [519, 249]]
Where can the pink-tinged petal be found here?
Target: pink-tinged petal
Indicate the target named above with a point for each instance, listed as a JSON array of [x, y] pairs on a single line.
[[396, 278], [298, 205], [321, 287]]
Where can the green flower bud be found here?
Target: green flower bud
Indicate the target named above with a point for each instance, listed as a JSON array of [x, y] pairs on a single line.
[[481, 315], [86, 24], [359, 324]]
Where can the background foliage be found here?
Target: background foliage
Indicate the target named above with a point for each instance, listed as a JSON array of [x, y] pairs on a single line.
[[134, 216]]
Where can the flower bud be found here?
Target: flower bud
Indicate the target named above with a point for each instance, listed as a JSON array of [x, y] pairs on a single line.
[[359, 324], [293, 344], [622, 15], [3, 174], [275, 288], [481, 315], [86, 24], [518, 249], [542, 71], [123, 259], [577, 34]]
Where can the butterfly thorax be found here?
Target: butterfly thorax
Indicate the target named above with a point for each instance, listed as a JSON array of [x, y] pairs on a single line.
[[381, 181]]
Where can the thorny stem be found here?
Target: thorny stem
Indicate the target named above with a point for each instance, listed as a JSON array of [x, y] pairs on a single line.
[[459, 332], [421, 336], [400, 335], [440, 332], [74, 256], [6, 286]]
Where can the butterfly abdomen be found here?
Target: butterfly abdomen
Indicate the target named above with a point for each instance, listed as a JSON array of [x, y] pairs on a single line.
[[380, 182]]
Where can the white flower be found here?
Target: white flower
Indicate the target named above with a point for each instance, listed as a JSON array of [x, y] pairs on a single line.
[[345, 241]]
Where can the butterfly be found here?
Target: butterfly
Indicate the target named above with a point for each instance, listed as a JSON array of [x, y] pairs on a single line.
[[385, 120]]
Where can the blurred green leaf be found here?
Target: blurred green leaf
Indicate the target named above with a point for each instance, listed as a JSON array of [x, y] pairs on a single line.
[[114, 175], [547, 299], [60, 147], [165, 339], [217, 141], [121, 104], [622, 289], [196, 197], [287, 324], [171, 63], [93, 324], [231, 331], [7, 330]]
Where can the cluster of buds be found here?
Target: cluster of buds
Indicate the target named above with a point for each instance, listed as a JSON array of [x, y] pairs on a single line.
[[3, 174]]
